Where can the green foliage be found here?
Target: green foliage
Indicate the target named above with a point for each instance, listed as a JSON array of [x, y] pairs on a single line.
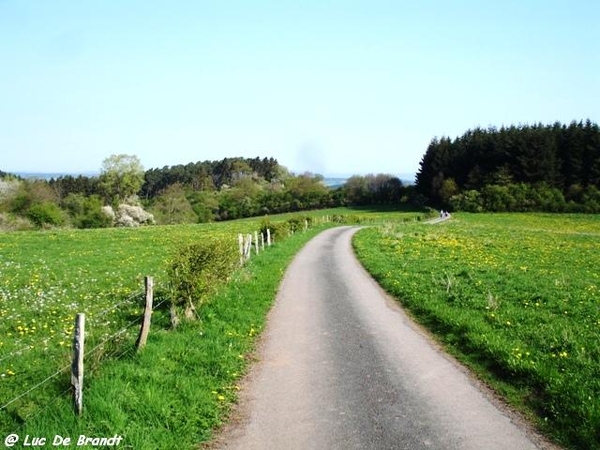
[[278, 230], [86, 212], [121, 177], [296, 223], [45, 214], [196, 270], [29, 193], [172, 206], [550, 160], [520, 198], [205, 204], [20, 203], [380, 189], [209, 175]]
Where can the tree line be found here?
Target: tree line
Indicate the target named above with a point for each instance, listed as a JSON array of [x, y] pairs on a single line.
[[124, 194], [518, 168]]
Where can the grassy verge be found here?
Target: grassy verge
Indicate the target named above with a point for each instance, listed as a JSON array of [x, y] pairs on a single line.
[[516, 298], [179, 388]]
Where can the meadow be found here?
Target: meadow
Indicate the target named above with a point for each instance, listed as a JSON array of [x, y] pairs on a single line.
[[47, 277], [178, 389], [514, 296]]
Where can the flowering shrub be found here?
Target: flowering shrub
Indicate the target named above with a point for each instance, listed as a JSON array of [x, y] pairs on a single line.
[[133, 216], [129, 215], [8, 188]]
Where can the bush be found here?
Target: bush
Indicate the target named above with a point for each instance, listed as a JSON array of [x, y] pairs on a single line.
[[196, 271], [94, 219], [42, 214], [11, 222], [133, 216], [279, 230], [87, 212], [296, 223]]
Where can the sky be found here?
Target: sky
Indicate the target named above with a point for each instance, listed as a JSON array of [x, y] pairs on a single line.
[[331, 87]]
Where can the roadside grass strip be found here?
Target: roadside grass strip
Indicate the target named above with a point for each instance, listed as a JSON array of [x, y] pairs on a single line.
[[514, 296]]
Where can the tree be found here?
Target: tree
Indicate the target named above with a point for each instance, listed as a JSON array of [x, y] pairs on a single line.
[[121, 177], [172, 206], [356, 190], [447, 190]]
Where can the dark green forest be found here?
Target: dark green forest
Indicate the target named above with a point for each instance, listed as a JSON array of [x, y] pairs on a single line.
[[553, 168], [124, 194]]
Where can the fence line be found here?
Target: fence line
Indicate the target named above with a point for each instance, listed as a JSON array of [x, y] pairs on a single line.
[[77, 366], [127, 300], [245, 252], [35, 387], [113, 336]]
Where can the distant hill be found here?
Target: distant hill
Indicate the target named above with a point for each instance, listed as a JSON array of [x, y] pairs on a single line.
[[339, 180], [49, 175]]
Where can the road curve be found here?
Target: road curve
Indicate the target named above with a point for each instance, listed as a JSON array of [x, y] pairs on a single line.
[[342, 367]]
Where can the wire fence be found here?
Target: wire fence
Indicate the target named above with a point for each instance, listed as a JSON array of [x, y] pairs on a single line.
[[96, 354], [107, 345], [100, 351]]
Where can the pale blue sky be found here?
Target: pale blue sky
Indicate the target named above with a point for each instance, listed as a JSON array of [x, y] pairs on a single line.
[[350, 87]]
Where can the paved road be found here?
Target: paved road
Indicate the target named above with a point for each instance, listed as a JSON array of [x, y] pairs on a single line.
[[342, 367]]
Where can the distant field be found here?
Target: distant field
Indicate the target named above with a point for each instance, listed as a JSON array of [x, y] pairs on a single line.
[[515, 295]]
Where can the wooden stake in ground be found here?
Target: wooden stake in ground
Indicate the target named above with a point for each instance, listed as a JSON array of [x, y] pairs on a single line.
[[241, 245], [145, 329], [77, 366]]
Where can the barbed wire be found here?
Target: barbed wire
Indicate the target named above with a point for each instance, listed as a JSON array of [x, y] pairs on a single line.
[[16, 352], [122, 302], [117, 353], [35, 387], [95, 316], [48, 404]]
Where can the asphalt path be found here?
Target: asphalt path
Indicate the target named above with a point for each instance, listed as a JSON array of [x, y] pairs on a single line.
[[341, 366]]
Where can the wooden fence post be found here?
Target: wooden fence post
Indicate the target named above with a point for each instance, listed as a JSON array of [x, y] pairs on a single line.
[[248, 246], [145, 329], [262, 241], [77, 366], [256, 241], [268, 237], [241, 245]]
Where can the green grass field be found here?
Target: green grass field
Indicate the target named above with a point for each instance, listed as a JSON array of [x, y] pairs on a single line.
[[178, 388], [516, 296]]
